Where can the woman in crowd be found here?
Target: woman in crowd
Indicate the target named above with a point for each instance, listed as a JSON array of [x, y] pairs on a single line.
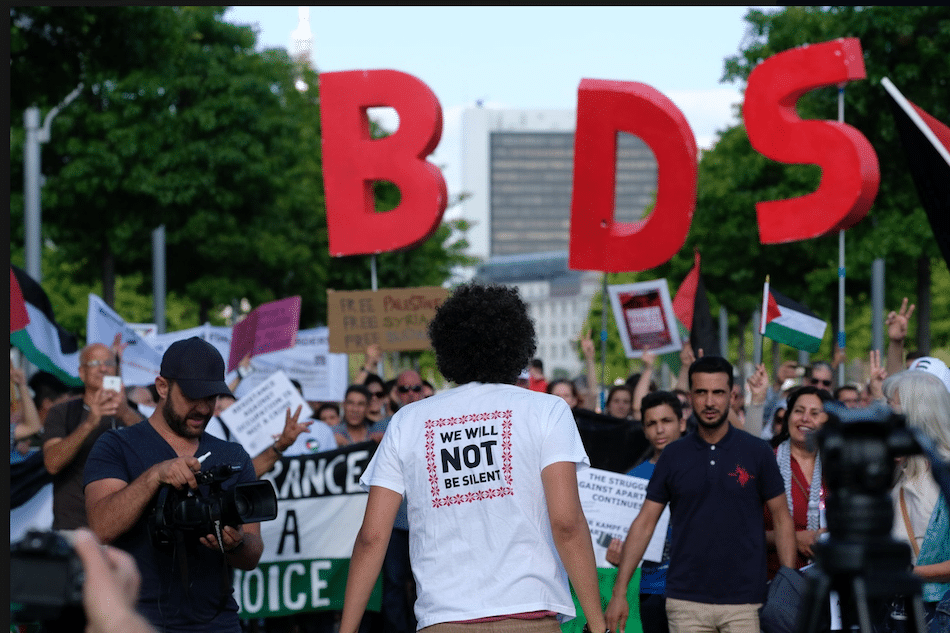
[[619, 402], [921, 515], [566, 390], [800, 466]]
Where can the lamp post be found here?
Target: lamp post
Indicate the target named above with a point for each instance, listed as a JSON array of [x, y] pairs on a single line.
[[32, 182]]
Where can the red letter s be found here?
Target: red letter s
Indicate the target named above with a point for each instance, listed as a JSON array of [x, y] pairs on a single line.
[[849, 167]]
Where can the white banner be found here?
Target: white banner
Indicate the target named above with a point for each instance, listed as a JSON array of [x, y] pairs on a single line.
[[140, 361], [611, 502], [258, 416], [322, 375], [307, 547]]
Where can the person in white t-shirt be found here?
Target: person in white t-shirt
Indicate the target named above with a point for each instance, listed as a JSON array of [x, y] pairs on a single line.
[[489, 470]]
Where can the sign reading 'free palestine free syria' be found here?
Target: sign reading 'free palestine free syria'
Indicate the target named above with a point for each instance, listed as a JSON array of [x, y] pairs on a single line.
[[396, 319]]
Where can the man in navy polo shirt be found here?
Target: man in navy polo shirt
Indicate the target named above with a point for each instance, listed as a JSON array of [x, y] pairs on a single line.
[[717, 481]]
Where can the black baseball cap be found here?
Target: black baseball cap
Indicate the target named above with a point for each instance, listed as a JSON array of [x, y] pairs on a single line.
[[197, 367]]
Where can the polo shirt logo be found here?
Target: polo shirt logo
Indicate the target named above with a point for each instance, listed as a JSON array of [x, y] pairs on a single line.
[[742, 475]]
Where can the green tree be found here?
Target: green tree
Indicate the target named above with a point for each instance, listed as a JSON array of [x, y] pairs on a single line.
[[907, 44], [216, 142]]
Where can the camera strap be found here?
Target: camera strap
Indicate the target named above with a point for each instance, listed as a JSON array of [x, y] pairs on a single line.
[[910, 528]]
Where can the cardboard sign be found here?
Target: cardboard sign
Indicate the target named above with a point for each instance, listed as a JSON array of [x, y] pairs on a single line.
[[268, 328], [611, 502], [396, 319], [257, 417], [645, 318]]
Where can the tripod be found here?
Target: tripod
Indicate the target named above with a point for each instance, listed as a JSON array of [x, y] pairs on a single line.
[[861, 562], [866, 575]]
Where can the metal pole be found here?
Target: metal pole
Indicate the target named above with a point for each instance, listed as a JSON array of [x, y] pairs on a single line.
[[723, 332], [31, 194], [603, 346], [33, 182], [841, 270], [158, 278], [756, 338], [877, 305], [372, 272]]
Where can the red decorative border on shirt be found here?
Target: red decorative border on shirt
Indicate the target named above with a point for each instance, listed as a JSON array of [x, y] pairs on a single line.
[[506, 489]]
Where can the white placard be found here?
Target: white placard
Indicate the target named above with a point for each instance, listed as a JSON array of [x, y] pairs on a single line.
[[611, 502], [257, 417], [140, 361]]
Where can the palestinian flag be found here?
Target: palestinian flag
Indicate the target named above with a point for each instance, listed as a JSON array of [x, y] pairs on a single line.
[[926, 144], [790, 322], [693, 317], [44, 342]]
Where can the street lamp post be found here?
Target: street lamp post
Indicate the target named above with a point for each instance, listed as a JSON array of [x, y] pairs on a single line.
[[32, 182]]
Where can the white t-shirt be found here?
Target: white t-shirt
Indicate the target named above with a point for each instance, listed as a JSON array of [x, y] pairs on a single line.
[[469, 461]]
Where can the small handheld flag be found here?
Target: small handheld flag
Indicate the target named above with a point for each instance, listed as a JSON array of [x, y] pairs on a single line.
[[790, 322]]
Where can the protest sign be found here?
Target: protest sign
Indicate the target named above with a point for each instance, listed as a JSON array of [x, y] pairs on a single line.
[[268, 328], [307, 548], [322, 376], [257, 417], [140, 361], [611, 502], [645, 318], [396, 319]]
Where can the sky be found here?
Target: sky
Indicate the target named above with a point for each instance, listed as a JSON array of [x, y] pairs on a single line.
[[524, 57]]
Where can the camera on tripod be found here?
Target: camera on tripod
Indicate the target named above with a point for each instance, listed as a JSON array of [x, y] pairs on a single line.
[[861, 561], [185, 512]]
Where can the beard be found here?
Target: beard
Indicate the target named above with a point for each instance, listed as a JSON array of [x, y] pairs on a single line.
[[713, 425], [178, 424]]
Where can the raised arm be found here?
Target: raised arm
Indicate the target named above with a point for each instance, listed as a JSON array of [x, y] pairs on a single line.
[[269, 456], [31, 424], [897, 323], [686, 359], [592, 397], [58, 452], [643, 384], [758, 385]]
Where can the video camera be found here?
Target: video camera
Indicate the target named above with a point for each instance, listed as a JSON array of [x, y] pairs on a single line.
[[46, 579], [186, 512], [860, 560]]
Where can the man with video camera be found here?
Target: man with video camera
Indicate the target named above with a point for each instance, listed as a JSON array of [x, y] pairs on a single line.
[[186, 573]]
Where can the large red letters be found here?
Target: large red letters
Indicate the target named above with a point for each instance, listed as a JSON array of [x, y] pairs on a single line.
[[598, 242], [849, 167], [352, 160]]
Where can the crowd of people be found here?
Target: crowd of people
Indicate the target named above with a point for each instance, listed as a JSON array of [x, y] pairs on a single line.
[[739, 469]]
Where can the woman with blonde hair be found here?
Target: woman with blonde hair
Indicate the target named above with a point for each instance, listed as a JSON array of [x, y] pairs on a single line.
[[921, 513]]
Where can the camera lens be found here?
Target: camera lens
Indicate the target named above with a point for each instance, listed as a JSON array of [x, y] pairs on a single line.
[[242, 505]]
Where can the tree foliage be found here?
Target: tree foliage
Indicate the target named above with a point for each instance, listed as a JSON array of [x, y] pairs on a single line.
[[195, 130], [907, 44]]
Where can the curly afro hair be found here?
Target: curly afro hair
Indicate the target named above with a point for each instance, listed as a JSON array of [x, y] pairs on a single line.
[[482, 333]]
